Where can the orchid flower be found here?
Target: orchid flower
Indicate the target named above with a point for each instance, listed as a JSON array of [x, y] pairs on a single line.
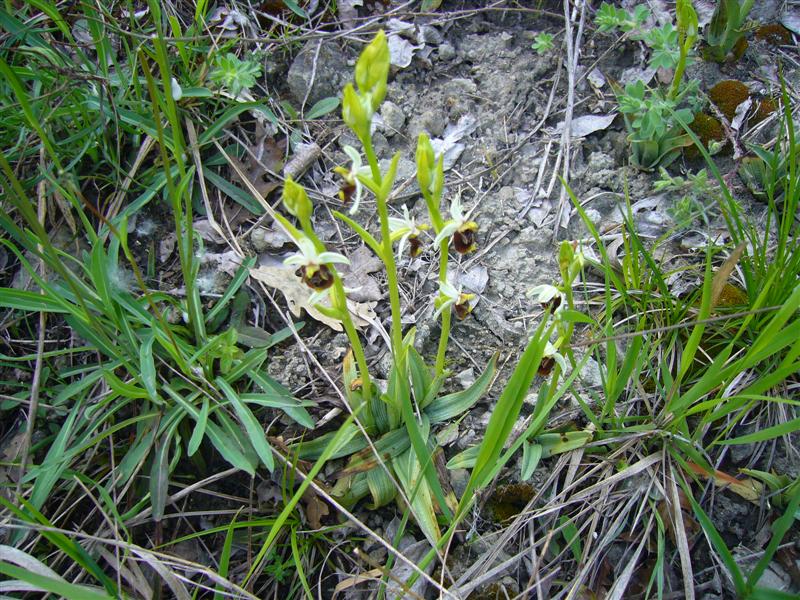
[[462, 231], [351, 182], [407, 230], [312, 265]]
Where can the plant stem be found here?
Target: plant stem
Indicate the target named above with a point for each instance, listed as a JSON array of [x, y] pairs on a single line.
[[340, 302], [388, 253], [446, 314]]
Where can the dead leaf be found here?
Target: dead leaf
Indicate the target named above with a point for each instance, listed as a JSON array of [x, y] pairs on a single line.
[[401, 51], [356, 275], [205, 230], [227, 262], [297, 293], [449, 145], [587, 124], [724, 272], [748, 488], [264, 158], [316, 508]]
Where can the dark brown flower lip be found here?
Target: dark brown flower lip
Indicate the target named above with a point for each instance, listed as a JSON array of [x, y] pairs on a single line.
[[346, 192], [414, 246], [552, 305], [546, 366], [464, 240], [317, 277], [462, 310]]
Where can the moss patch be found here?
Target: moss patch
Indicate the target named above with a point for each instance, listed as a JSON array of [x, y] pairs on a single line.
[[708, 129], [764, 108], [509, 500], [727, 95], [774, 34]]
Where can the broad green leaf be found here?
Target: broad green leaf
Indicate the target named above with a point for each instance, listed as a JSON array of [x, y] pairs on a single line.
[[147, 368], [322, 107], [531, 454], [159, 477], [416, 489], [199, 431], [447, 407], [229, 450], [381, 487], [255, 431]]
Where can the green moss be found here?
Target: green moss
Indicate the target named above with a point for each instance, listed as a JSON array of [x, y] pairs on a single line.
[[509, 500], [764, 108], [775, 34], [727, 95], [708, 129]]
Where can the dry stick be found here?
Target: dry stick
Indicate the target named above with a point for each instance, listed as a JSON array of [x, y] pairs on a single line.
[[198, 167], [571, 64], [33, 406], [681, 540]]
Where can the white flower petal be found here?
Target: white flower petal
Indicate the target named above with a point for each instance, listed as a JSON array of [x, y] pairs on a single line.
[[449, 229], [333, 257], [355, 157], [561, 361], [543, 293]]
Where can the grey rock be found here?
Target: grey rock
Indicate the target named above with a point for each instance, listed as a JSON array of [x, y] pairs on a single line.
[[446, 52], [326, 80], [393, 118], [431, 122]]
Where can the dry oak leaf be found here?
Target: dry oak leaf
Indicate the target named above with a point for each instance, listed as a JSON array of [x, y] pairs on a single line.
[[297, 293]]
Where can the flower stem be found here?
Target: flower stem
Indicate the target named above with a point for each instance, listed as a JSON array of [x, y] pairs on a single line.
[[340, 302], [388, 252], [446, 314]]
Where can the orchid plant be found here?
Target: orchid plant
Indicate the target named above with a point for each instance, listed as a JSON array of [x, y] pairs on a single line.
[[390, 447]]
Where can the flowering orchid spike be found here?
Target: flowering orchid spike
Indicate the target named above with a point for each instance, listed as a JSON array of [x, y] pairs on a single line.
[[313, 266]]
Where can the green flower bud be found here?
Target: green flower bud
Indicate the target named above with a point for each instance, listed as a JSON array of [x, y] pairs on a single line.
[[296, 200], [426, 161], [372, 70], [354, 113]]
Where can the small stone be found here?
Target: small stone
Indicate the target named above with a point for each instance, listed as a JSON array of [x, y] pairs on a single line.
[[429, 35], [430, 121], [393, 118], [446, 52], [328, 68]]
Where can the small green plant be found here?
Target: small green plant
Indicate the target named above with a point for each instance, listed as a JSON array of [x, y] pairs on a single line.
[[609, 18], [653, 116], [233, 74], [696, 192], [725, 36], [543, 43]]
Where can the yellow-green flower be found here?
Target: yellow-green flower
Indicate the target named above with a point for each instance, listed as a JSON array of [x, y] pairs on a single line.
[[296, 200], [372, 70]]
